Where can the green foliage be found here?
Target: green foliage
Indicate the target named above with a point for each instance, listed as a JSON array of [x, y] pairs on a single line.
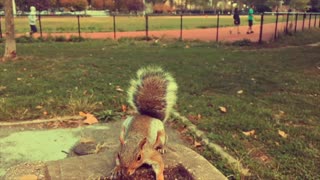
[[26, 39], [299, 4], [78, 5], [107, 115], [76, 39], [60, 39], [25, 5], [244, 42]]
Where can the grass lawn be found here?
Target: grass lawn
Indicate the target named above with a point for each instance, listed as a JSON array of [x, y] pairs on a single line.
[[271, 93], [134, 23]]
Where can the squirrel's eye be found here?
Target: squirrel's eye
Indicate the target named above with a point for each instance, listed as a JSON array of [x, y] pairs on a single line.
[[139, 157]]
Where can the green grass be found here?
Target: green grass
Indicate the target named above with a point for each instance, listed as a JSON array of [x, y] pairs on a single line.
[[280, 84], [134, 23]]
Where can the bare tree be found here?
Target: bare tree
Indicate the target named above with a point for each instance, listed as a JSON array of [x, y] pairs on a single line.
[[10, 45]]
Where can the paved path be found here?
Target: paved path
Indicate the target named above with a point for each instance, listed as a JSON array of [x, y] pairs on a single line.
[[226, 34]]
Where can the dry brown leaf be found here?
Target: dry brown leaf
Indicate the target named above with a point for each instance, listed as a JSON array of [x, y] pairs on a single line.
[[82, 114], [39, 107], [282, 134], [90, 119], [264, 158], [28, 177], [199, 116], [197, 144], [279, 116], [118, 88], [223, 109], [184, 130], [3, 88], [124, 108], [249, 133]]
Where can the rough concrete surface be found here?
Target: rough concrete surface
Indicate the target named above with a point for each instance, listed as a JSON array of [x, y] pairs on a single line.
[[100, 165], [43, 153]]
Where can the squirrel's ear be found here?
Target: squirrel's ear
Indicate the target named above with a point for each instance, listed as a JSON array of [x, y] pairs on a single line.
[[142, 142]]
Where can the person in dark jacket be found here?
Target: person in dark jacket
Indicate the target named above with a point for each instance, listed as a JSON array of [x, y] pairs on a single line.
[[236, 20]]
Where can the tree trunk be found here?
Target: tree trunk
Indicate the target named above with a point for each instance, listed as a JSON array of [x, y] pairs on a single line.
[[10, 45]]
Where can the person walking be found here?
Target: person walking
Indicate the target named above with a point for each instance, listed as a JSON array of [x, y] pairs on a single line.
[[236, 20], [250, 19], [32, 20]]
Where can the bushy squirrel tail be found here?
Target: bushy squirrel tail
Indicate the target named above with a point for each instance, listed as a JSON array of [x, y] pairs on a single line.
[[153, 92]]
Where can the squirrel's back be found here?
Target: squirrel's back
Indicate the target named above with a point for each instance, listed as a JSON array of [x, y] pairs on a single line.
[[153, 92]]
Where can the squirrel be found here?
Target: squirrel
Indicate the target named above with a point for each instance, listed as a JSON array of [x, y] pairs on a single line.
[[142, 137]]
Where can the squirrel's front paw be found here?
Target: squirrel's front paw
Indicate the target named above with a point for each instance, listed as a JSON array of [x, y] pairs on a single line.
[[116, 173]]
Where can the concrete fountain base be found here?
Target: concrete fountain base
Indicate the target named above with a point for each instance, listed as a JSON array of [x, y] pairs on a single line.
[[180, 161]]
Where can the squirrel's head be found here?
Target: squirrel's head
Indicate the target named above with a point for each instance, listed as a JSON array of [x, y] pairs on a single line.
[[131, 155]]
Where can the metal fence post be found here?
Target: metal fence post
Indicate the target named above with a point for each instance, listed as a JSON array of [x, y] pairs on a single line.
[[218, 19], [0, 28], [147, 27], [40, 25], [295, 23], [261, 28], [303, 19], [114, 27], [309, 20], [315, 20], [78, 17], [287, 22], [181, 26], [276, 28]]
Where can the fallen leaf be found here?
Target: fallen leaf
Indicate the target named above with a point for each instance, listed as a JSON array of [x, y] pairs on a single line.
[[82, 114], [45, 113], [222, 109], [118, 88], [39, 107], [282, 134], [3, 88], [19, 79], [249, 133], [187, 47], [279, 116], [199, 116], [28, 177], [90, 119], [197, 144], [240, 92], [124, 108]]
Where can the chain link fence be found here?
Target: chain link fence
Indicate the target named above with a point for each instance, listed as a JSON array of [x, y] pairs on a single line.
[[267, 26]]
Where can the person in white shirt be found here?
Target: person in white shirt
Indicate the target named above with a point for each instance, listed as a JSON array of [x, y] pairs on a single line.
[[32, 20]]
